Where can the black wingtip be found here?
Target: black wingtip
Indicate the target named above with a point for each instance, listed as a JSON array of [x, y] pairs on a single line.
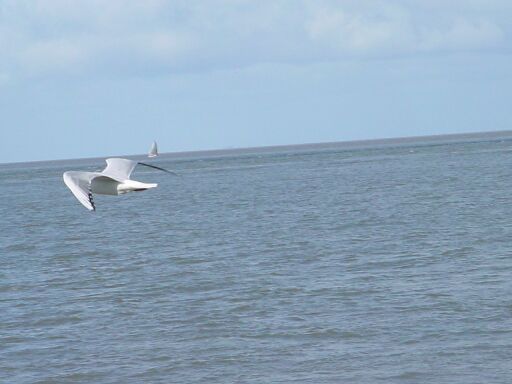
[[161, 169], [91, 200]]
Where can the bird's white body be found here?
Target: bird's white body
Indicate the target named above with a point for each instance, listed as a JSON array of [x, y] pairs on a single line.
[[113, 180], [108, 186]]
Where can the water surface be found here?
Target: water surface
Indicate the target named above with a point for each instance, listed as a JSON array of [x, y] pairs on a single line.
[[388, 263]]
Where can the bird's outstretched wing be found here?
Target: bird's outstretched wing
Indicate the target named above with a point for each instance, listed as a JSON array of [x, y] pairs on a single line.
[[80, 184], [155, 167], [119, 169]]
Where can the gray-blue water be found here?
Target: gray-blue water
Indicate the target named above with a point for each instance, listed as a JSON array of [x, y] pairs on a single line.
[[336, 265]]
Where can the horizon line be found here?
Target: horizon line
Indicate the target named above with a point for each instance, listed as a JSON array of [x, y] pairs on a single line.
[[356, 142]]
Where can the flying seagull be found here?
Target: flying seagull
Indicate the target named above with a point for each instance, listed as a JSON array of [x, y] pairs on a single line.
[[113, 180], [153, 152]]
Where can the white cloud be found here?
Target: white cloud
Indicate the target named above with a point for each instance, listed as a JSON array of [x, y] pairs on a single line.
[[4, 78], [350, 32], [56, 55], [391, 29], [462, 34], [43, 37]]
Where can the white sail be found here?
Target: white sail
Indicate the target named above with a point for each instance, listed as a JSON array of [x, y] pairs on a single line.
[[153, 152]]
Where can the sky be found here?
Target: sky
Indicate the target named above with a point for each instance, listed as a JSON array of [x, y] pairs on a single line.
[[105, 78]]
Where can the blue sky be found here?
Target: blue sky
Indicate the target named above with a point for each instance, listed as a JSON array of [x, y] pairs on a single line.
[[102, 78]]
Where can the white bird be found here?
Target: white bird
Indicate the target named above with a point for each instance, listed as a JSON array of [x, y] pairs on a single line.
[[153, 152], [113, 180]]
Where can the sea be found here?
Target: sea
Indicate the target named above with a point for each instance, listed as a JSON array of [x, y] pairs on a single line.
[[386, 261]]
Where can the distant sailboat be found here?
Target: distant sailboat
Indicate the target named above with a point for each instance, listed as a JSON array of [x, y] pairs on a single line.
[[153, 152]]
